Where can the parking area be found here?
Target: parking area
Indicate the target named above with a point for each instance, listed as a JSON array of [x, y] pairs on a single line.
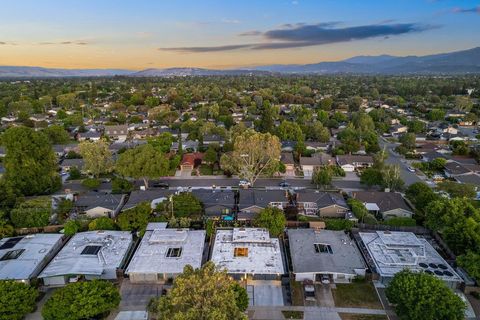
[[265, 293]]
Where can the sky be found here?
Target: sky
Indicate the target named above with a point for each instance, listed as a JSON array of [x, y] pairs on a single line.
[[140, 34]]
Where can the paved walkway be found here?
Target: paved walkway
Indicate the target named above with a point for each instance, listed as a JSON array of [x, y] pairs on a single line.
[[37, 315], [317, 313]]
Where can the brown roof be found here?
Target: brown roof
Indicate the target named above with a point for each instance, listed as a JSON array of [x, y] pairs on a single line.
[[350, 159], [190, 158]]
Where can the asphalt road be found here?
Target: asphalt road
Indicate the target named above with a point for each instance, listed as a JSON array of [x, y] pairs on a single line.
[[227, 182], [395, 158]]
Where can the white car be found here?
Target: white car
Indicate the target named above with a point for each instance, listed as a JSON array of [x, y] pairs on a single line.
[[244, 183], [411, 169]]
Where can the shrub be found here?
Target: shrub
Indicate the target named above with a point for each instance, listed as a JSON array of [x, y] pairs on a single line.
[[91, 183]]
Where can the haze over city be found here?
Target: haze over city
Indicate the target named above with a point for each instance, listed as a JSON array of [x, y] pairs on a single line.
[[220, 34]]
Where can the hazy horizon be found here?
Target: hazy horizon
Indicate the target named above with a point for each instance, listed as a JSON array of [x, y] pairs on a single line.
[[137, 35]]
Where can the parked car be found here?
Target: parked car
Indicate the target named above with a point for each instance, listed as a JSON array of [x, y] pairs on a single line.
[[159, 184], [244, 183], [308, 290], [284, 184], [325, 279], [411, 169]]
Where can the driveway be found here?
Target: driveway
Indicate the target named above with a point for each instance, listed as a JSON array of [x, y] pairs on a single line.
[[265, 293], [324, 295], [136, 296]]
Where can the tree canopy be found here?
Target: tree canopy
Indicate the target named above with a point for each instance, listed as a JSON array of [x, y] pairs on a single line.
[[272, 219], [204, 293], [420, 296], [16, 300], [143, 162], [253, 154], [30, 164], [96, 156], [81, 300]]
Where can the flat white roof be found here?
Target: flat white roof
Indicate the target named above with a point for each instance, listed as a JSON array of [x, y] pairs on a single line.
[[394, 251], [90, 253], [151, 255], [263, 254], [33, 250]]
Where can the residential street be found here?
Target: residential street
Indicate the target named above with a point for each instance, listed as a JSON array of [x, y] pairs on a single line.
[[395, 158]]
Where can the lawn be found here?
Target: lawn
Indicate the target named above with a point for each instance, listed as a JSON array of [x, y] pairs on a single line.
[[205, 170], [292, 314], [352, 316], [297, 293], [356, 294]]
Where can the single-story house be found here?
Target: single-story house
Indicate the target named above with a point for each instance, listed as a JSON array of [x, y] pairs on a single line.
[[153, 196], [89, 255], [118, 132], [68, 164], [253, 201], [23, 258], [191, 161], [96, 204], [163, 253], [316, 253], [390, 252], [317, 160], [350, 163], [248, 253], [323, 204], [384, 204], [217, 204], [187, 145]]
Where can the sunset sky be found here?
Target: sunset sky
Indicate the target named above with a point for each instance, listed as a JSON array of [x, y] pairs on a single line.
[[226, 34]]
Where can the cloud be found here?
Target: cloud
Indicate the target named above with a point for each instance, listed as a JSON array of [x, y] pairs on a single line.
[[206, 49], [7, 43], [75, 42], [304, 35], [252, 33], [230, 21], [466, 10]]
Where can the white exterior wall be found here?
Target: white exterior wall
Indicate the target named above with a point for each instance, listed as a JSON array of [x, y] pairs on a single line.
[[307, 171], [348, 168], [98, 212], [54, 281]]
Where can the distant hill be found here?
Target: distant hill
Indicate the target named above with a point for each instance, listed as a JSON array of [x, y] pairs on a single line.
[[459, 62], [39, 72]]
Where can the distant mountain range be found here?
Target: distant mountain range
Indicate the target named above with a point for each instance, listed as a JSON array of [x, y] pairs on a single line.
[[459, 62]]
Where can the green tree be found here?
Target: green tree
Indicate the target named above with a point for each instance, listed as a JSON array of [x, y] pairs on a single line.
[[420, 296], [96, 156], [67, 101], [371, 177], [71, 227], [391, 178], [16, 300], [408, 142], [185, 204], [272, 219], [253, 154], [420, 195], [143, 162], [322, 176], [203, 293], [32, 213], [471, 263], [210, 155], [91, 183], [457, 190], [82, 300], [102, 223], [56, 134], [6, 229], [30, 164], [241, 296], [135, 219], [458, 221], [358, 209]]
